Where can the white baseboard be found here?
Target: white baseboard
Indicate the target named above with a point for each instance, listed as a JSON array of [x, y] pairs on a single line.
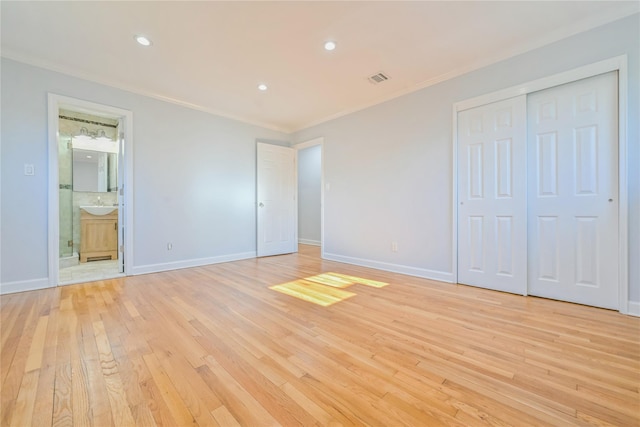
[[441, 276], [24, 285], [176, 265], [309, 242], [634, 308]]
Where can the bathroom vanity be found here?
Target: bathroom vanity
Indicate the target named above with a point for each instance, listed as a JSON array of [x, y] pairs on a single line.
[[98, 233]]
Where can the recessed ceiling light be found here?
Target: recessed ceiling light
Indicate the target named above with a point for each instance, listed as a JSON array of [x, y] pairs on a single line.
[[262, 87], [144, 41], [330, 45]]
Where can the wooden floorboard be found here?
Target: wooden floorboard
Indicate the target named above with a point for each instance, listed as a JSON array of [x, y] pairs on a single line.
[[295, 340]]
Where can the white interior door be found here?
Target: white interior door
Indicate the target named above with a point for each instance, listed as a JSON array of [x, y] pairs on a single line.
[[573, 188], [492, 249], [276, 200]]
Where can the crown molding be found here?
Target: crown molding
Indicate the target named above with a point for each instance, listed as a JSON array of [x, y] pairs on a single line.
[[47, 65]]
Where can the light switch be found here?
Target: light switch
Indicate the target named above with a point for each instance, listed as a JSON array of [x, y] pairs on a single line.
[[29, 169]]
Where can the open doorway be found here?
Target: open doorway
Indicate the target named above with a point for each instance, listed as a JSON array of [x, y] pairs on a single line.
[[87, 191], [310, 192]]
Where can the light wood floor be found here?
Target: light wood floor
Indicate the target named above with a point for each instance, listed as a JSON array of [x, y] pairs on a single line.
[[216, 346]]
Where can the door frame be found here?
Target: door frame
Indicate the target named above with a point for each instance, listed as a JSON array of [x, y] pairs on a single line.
[[301, 146], [619, 64], [55, 103]]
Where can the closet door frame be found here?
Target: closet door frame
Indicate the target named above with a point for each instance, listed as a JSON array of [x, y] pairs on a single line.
[[618, 64]]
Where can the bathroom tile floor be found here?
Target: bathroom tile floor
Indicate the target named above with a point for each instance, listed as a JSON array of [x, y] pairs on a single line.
[[89, 271]]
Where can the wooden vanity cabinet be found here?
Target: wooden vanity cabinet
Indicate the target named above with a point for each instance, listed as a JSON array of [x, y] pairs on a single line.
[[98, 236]]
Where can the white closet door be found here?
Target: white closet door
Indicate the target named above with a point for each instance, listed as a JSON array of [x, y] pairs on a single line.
[[492, 248], [573, 188]]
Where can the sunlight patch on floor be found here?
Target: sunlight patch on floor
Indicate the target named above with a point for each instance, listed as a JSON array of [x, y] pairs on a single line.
[[358, 280], [313, 292], [324, 289]]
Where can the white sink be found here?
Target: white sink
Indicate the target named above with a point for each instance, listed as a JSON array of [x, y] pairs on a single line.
[[99, 210]]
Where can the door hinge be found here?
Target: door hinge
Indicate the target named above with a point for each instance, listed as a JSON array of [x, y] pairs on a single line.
[[69, 146], [121, 191], [121, 248], [121, 135], [70, 243]]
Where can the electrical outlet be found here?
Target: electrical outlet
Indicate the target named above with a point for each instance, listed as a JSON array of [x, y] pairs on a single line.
[[394, 246], [169, 246]]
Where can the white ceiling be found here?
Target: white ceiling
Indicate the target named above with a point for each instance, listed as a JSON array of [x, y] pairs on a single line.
[[212, 55]]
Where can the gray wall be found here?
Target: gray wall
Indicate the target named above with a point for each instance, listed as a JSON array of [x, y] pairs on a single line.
[[194, 177], [390, 166], [309, 194]]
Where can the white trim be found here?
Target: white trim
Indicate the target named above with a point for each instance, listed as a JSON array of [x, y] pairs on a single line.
[[53, 191], [198, 262], [601, 67], [301, 146], [24, 285], [552, 37], [560, 34], [55, 102], [309, 242], [618, 63], [441, 276], [36, 62], [634, 308], [454, 208], [623, 188], [295, 198], [307, 144]]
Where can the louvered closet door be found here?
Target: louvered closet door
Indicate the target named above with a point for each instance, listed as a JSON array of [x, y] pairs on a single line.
[[492, 196], [573, 188]]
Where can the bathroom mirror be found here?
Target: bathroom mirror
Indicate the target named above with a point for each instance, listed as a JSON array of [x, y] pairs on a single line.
[[95, 171]]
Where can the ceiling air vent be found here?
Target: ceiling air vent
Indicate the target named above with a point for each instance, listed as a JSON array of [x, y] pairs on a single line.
[[378, 78]]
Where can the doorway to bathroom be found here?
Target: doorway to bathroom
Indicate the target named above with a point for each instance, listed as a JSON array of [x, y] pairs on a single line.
[[87, 216]]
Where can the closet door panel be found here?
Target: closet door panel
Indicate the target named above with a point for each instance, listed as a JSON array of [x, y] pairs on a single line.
[[573, 188], [492, 196]]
